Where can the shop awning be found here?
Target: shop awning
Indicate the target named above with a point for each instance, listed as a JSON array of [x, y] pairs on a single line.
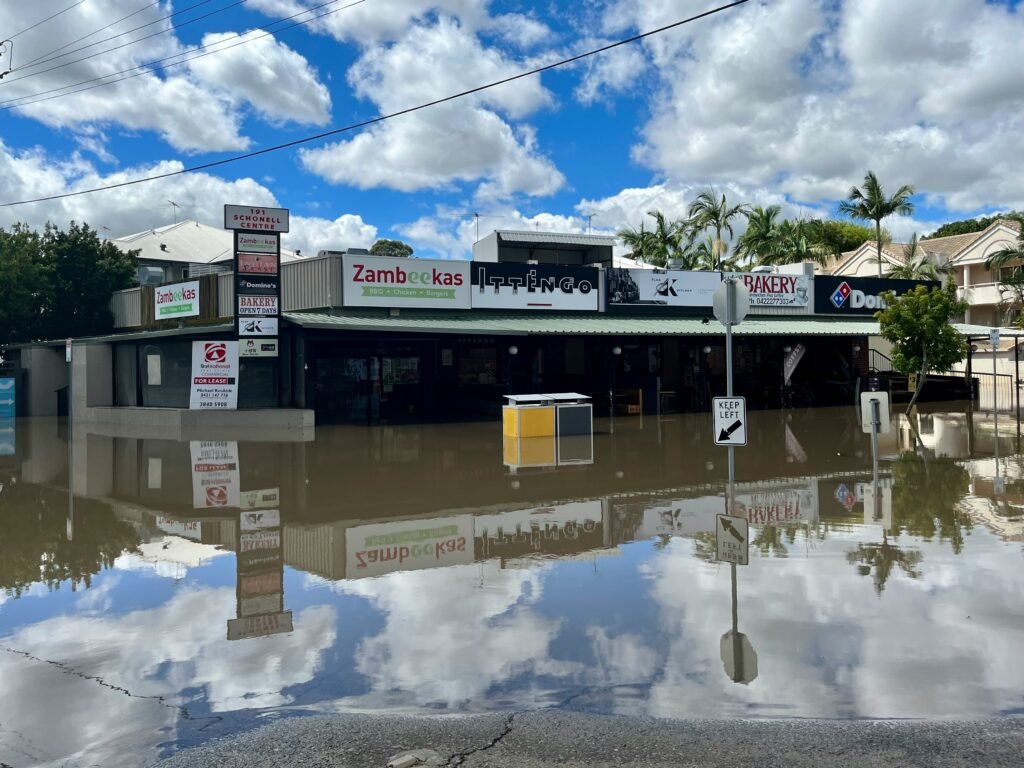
[[413, 321]]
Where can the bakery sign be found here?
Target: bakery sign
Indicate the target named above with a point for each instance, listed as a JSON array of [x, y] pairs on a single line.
[[772, 290]]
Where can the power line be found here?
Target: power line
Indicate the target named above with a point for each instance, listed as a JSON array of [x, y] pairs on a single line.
[[382, 118], [54, 16], [142, 69], [124, 45], [86, 37]]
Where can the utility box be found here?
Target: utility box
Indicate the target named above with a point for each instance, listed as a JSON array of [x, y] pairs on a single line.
[[547, 415]]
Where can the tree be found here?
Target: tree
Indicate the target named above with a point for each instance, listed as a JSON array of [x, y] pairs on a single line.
[[917, 265], [918, 325], [703, 256], [58, 284], [708, 212], [1004, 256], [878, 561], [837, 236], [871, 204], [655, 246], [1011, 282], [24, 285], [760, 240], [83, 272], [967, 226], [391, 248]]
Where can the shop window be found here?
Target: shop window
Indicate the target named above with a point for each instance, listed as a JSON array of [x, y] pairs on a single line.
[[165, 372], [478, 366], [257, 385], [126, 368]]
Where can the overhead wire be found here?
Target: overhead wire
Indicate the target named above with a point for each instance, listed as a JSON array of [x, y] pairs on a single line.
[[383, 118], [40, 23], [142, 69], [94, 32], [123, 45]]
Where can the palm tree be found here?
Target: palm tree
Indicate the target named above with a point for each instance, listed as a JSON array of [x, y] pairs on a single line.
[[871, 204], [761, 238], [795, 244], [917, 265], [1008, 254], [640, 243], [708, 212], [703, 256], [655, 246]]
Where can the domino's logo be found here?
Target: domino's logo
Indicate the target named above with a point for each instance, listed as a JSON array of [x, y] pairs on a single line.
[[842, 293]]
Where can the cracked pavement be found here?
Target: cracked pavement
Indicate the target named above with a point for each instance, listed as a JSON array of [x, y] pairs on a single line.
[[549, 738]]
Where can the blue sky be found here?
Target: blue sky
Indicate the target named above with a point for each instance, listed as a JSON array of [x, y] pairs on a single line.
[[781, 101]]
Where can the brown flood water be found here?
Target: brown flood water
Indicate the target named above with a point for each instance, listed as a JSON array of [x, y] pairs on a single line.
[[182, 590]]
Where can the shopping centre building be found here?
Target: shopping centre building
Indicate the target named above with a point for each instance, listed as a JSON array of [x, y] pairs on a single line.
[[362, 339]]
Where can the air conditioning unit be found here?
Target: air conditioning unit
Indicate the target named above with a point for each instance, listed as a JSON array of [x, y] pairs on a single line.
[[151, 275]]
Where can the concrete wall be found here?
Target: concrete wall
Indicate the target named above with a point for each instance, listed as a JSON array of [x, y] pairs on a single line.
[[47, 372]]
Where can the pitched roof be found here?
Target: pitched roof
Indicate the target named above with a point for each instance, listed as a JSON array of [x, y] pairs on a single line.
[[187, 242]]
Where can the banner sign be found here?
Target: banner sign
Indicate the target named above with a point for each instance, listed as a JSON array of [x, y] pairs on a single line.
[[257, 326], [257, 348], [858, 295], [214, 375], [534, 286], [260, 626], [188, 529], [561, 529], [215, 477], [771, 290], [178, 300], [248, 284], [254, 540], [255, 219], [254, 243], [656, 286], [7, 402], [257, 264], [262, 306], [376, 281], [373, 550]]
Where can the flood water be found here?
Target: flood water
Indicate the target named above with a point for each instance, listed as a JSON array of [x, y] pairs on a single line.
[[183, 590]]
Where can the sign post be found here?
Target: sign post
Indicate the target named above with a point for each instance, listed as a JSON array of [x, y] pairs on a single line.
[[874, 417]]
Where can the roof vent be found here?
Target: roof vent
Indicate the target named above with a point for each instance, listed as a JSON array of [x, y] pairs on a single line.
[[163, 246]]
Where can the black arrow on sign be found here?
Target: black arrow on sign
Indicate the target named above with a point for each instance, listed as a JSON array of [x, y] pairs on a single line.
[[725, 434], [731, 529]]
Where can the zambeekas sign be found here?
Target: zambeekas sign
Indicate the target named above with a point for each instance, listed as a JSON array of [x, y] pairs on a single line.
[[375, 281], [858, 295], [178, 300]]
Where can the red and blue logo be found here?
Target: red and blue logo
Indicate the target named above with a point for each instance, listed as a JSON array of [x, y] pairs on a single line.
[[842, 293]]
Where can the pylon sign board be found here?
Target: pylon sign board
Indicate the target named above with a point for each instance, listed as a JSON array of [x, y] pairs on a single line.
[[732, 539], [730, 420]]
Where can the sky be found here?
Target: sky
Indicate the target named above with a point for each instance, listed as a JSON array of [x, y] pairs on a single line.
[[785, 102]]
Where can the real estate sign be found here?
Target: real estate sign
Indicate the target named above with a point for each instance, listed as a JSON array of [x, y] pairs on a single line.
[[214, 375], [375, 281], [674, 288], [215, 476], [178, 300]]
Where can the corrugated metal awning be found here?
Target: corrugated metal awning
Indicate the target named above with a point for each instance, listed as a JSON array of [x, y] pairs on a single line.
[[555, 238], [419, 321]]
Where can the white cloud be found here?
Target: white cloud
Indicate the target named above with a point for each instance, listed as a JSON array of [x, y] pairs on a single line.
[[196, 107], [159, 652], [611, 73], [524, 31], [277, 81], [803, 98], [458, 142], [311, 234], [34, 173]]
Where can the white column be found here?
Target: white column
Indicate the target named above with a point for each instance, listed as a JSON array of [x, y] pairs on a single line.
[[967, 285]]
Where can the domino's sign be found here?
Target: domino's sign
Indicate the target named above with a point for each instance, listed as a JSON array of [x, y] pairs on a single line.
[[858, 295]]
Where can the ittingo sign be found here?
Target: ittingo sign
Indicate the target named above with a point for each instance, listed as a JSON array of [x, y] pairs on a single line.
[[535, 286], [858, 295]]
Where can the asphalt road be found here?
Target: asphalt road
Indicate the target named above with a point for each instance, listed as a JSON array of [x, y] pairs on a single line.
[[551, 738]]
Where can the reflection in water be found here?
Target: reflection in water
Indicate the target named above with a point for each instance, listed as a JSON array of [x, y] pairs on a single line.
[[407, 569]]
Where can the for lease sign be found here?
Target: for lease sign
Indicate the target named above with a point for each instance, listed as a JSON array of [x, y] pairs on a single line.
[[214, 375], [178, 300], [374, 281]]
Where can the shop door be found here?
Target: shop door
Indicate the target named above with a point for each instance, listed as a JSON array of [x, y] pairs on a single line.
[[400, 388]]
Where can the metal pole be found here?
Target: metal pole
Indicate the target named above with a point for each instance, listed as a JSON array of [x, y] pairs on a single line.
[[737, 645], [995, 404], [876, 425], [1016, 384], [730, 318]]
